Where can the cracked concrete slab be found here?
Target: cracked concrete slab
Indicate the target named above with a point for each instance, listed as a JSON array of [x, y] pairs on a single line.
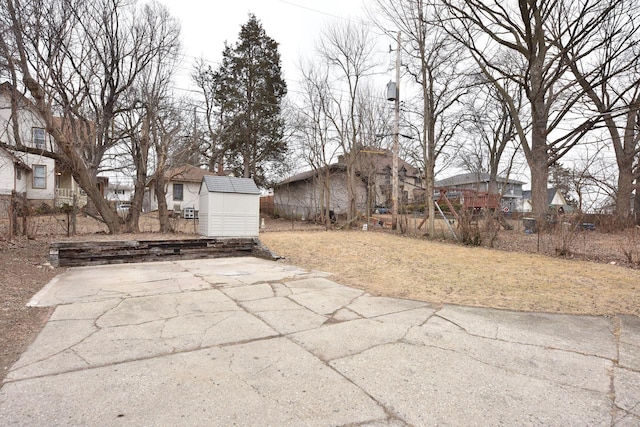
[[135, 328], [582, 334], [245, 341], [630, 342], [284, 315], [250, 293], [370, 306], [326, 301], [534, 361], [86, 284], [261, 383], [433, 386], [627, 392], [342, 339]]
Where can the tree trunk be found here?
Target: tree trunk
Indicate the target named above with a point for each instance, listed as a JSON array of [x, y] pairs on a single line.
[[133, 220], [636, 200], [327, 199], [351, 183], [539, 179], [88, 183], [539, 157], [140, 152], [625, 188], [625, 156], [163, 211]]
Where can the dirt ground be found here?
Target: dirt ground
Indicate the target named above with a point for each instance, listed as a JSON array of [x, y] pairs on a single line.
[[599, 274]]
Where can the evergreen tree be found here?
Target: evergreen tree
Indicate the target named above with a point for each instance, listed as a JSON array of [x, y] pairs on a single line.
[[561, 178], [248, 91]]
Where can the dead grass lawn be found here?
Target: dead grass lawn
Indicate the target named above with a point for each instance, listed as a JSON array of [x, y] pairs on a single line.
[[441, 273]]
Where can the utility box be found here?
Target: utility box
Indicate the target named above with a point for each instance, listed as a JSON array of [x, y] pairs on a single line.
[[189, 213], [392, 91], [529, 225]]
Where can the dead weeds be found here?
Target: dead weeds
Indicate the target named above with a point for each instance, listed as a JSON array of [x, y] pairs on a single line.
[[444, 273]]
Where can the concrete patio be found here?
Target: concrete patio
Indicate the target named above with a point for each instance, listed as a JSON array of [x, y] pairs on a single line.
[[245, 341]]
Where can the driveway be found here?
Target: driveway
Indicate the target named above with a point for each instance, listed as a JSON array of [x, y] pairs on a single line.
[[244, 341]]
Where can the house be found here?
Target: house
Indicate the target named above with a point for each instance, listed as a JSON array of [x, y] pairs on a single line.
[[31, 175], [68, 191], [609, 205], [118, 192], [555, 201], [119, 195], [182, 187], [510, 189], [40, 179], [229, 207], [302, 195]]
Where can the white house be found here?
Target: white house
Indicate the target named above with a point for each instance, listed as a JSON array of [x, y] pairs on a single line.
[[555, 201], [118, 192], [229, 207], [28, 174], [182, 188]]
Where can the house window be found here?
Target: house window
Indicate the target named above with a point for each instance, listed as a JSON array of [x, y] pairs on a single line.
[[387, 175], [118, 192], [38, 138], [39, 176], [18, 173], [177, 192]]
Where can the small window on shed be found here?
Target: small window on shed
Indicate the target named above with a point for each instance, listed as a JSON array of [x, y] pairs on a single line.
[[178, 192]]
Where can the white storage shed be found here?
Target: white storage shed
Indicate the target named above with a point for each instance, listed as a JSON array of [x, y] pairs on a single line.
[[229, 207]]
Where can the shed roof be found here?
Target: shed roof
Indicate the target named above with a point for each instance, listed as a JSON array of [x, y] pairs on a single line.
[[228, 184]]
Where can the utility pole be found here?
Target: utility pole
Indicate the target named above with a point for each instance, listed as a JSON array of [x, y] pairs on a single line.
[[396, 135]]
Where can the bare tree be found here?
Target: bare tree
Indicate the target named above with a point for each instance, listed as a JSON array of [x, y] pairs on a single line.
[[165, 129], [148, 97], [317, 143], [538, 32], [214, 145], [434, 64], [490, 129], [77, 59], [610, 79], [348, 51]]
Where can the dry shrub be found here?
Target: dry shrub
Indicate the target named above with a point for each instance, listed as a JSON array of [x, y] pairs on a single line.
[[469, 229], [631, 244]]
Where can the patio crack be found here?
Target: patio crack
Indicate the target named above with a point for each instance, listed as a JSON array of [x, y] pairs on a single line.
[[546, 347]]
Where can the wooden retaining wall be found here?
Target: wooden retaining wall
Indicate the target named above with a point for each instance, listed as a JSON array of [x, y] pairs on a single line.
[[71, 254]]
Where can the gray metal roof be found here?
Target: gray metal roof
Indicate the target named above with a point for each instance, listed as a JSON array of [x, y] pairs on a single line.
[[229, 184], [472, 178]]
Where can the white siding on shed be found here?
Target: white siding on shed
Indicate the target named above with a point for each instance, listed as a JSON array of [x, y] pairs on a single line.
[[228, 210]]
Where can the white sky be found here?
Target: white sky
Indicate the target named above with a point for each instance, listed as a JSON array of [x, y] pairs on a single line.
[[294, 24]]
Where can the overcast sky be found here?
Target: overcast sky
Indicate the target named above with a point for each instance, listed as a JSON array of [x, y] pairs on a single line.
[[294, 24]]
